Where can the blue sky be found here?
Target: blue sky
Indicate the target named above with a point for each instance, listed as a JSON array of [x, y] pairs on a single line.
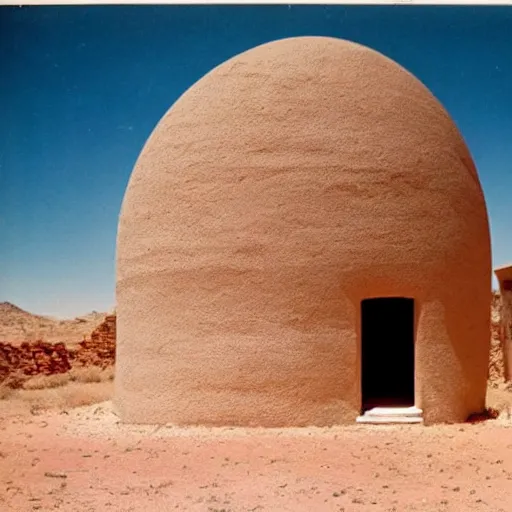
[[82, 87]]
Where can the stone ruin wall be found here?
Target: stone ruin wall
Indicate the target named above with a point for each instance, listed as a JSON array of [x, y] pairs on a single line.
[[40, 357], [32, 358], [496, 359], [506, 324], [100, 349]]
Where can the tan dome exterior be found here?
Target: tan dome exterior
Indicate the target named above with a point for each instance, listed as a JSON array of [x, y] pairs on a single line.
[[286, 186]]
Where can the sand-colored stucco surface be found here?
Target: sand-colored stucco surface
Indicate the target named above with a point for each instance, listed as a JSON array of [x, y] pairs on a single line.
[[286, 186]]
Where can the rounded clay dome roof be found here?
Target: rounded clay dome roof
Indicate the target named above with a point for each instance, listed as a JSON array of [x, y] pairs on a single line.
[[299, 137]]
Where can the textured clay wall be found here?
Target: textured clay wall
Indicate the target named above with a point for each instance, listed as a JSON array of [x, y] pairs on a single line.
[[283, 188]]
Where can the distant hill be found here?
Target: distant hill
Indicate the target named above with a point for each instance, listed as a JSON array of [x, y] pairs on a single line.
[[17, 325]]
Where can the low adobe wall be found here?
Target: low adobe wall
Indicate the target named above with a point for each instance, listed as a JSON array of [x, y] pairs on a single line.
[[100, 349], [34, 358], [39, 357]]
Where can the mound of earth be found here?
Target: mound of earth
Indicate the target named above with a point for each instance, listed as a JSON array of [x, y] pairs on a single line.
[[18, 325]]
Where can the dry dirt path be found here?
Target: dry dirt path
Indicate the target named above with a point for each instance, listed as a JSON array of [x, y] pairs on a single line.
[[84, 461]]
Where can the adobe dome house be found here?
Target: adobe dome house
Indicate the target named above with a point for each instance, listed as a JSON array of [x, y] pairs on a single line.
[[303, 241]]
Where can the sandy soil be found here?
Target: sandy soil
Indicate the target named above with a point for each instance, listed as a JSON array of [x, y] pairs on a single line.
[[83, 459]]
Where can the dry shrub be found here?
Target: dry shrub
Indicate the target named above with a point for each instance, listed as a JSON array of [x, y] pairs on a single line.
[[109, 373], [78, 395], [11, 382], [25, 401], [87, 374], [80, 386], [6, 391], [47, 381], [21, 395]]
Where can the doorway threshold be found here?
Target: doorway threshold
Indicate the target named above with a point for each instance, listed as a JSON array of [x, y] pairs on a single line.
[[391, 415]]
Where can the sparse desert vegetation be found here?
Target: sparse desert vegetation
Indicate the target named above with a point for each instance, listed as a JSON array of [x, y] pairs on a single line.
[[76, 388], [64, 397], [40, 375], [46, 381], [85, 374], [88, 379]]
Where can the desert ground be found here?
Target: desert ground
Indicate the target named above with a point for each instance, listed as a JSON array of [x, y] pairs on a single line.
[[68, 458], [63, 448]]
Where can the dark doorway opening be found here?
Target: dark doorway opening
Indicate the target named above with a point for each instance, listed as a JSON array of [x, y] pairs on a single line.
[[387, 352]]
